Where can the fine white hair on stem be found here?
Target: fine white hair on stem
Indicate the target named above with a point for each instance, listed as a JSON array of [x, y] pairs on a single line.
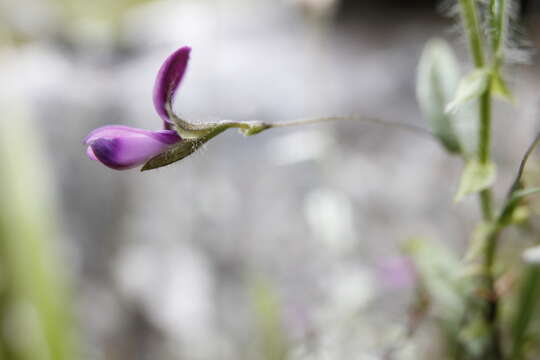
[[449, 8], [515, 46], [452, 10]]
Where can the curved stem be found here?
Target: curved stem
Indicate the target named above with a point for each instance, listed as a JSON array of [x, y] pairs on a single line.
[[517, 181], [309, 121]]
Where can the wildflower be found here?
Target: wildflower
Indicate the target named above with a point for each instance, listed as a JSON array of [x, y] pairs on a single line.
[[122, 147], [167, 81]]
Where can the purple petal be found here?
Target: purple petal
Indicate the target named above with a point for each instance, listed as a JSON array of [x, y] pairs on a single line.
[[122, 147], [112, 131], [167, 81]]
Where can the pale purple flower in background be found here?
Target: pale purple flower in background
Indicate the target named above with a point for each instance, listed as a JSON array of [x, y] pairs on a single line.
[[397, 272], [122, 147]]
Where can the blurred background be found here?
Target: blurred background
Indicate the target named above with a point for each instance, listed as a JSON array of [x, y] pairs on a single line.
[[286, 245]]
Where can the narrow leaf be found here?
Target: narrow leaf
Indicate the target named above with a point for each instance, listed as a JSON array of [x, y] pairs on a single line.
[[500, 88], [470, 88], [526, 308], [507, 215], [476, 177], [436, 83]]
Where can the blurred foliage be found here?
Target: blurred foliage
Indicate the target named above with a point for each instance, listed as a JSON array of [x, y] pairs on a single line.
[[268, 314], [35, 315]]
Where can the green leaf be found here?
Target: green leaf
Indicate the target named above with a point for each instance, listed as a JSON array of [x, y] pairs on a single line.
[[436, 83], [476, 177], [439, 273], [466, 124], [470, 88], [508, 213], [500, 88], [526, 309]]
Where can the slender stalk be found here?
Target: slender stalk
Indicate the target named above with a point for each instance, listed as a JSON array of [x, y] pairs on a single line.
[[255, 126], [308, 121], [484, 143], [484, 150], [498, 9], [492, 308], [526, 308], [472, 26]]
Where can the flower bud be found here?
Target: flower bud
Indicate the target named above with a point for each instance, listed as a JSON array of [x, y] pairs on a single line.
[[123, 147]]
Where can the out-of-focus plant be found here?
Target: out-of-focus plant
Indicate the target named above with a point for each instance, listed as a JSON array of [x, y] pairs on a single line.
[[483, 331], [272, 342], [465, 295], [35, 312]]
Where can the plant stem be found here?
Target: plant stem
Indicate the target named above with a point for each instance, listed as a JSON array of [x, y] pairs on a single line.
[[492, 305], [486, 203], [255, 127], [308, 121], [528, 298], [472, 26], [484, 149]]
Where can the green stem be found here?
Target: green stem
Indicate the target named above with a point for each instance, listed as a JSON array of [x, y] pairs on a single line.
[[484, 149], [255, 127], [528, 299], [486, 205], [472, 26], [498, 10], [492, 307], [377, 121], [484, 140]]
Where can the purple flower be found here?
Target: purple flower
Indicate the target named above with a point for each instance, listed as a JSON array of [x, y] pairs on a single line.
[[123, 147], [397, 272], [167, 81]]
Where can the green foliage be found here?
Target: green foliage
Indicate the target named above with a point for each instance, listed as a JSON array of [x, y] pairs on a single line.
[[439, 272], [471, 87], [525, 309], [500, 88], [267, 307], [476, 177], [34, 308], [437, 80]]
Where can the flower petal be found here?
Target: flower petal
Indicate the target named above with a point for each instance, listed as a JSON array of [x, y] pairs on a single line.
[[122, 147], [167, 81]]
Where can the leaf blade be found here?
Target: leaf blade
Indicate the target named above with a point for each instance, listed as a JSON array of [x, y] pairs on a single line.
[[436, 82], [476, 177], [470, 88]]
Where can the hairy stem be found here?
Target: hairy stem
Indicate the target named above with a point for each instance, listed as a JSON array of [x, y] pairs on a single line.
[[309, 121], [472, 26]]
